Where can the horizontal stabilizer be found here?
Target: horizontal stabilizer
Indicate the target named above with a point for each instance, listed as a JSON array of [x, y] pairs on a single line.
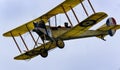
[[107, 28], [116, 27]]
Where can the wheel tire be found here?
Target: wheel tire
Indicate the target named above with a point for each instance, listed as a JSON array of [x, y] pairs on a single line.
[[60, 44], [44, 53]]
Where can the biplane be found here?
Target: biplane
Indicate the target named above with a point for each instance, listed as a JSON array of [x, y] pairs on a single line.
[[56, 35]]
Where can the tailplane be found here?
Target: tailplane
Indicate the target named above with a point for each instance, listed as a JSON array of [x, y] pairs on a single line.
[[110, 26]]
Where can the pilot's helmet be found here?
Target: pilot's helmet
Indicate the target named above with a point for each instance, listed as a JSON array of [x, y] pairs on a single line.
[[66, 24], [41, 21]]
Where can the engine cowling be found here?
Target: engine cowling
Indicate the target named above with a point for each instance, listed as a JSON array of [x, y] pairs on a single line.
[[111, 22]]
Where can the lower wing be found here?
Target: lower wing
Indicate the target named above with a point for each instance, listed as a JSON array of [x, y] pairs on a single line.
[[35, 51]]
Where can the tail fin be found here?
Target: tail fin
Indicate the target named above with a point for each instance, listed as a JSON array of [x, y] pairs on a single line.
[[110, 27]]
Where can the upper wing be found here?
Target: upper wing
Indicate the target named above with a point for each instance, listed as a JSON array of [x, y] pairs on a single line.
[[57, 10], [83, 26], [35, 51]]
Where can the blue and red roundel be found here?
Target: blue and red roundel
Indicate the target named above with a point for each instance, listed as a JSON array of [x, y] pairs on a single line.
[[111, 22]]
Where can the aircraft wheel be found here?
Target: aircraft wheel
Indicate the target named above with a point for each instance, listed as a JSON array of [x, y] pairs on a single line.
[[60, 44], [44, 53]]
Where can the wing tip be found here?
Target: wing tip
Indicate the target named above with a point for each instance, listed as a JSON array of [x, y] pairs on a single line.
[[5, 34]]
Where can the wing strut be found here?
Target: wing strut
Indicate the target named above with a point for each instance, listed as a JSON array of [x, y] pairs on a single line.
[[49, 22], [55, 21], [23, 42], [74, 14], [67, 15], [91, 6], [16, 42], [36, 41], [84, 8], [31, 35]]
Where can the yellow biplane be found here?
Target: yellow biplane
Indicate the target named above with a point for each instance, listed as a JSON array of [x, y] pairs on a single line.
[[57, 34]]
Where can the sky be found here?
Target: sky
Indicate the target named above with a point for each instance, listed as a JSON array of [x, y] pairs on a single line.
[[80, 54]]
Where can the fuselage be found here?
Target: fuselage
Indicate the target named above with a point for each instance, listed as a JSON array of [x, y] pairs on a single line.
[[57, 31]]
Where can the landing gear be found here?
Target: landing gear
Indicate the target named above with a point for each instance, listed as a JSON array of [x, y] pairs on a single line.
[[102, 37], [60, 44], [44, 53]]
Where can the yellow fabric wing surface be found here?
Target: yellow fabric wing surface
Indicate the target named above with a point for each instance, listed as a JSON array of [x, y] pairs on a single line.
[[57, 10], [88, 23], [36, 51], [72, 32]]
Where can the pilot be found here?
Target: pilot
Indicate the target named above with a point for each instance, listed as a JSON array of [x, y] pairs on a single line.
[[66, 25], [41, 24], [59, 26], [35, 24]]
